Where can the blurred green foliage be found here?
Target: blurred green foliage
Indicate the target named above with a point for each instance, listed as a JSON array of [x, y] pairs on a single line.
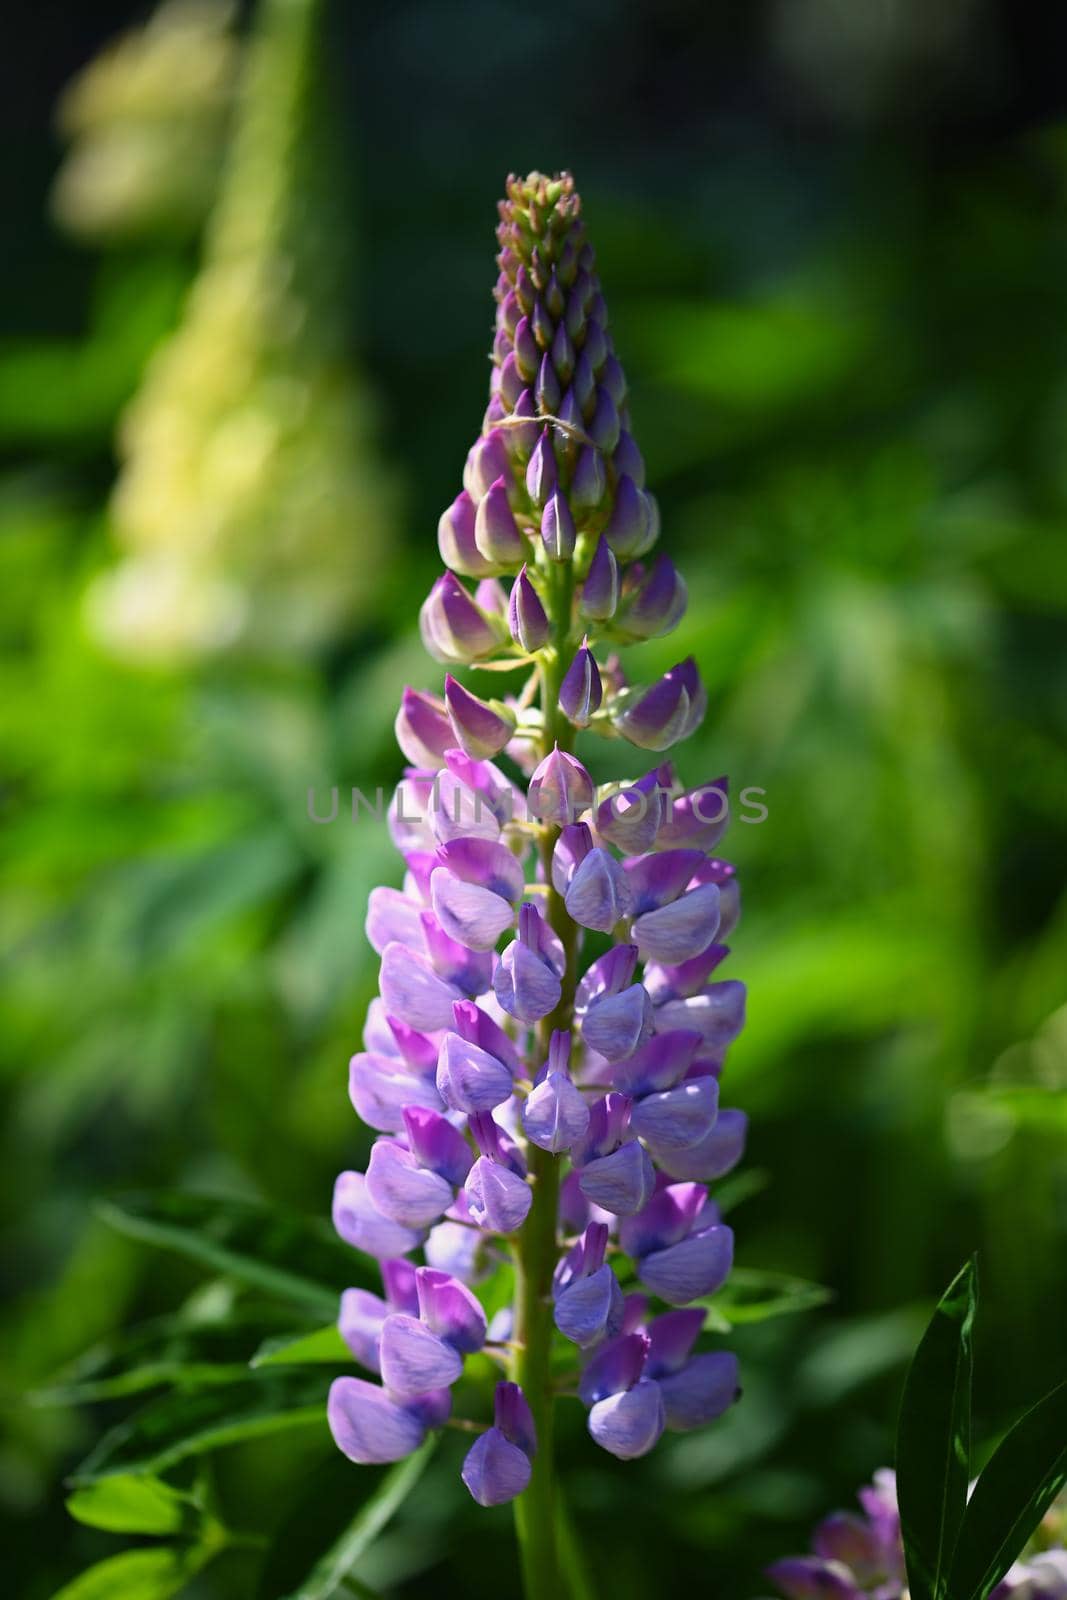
[[850, 384]]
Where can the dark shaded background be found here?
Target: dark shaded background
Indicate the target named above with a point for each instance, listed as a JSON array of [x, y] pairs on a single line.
[[833, 242]]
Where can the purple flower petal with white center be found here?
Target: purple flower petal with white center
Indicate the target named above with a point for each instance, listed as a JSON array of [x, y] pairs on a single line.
[[809, 1578], [717, 1014], [555, 1115], [590, 1309], [476, 1026], [402, 1190], [524, 984], [360, 1325], [687, 1271], [560, 789], [498, 1199], [621, 1182], [657, 1064], [657, 879], [671, 1338], [393, 918], [527, 617], [581, 691], [469, 1078], [423, 730], [485, 863], [450, 1310], [677, 932], [704, 1388], [631, 818], [413, 991], [458, 1250], [714, 1155], [414, 1358], [494, 1470], [368, 1426], [669, 1217], [616, 1025], [437, 1145], [380, 1087], [361, 1225], [473, 916], [482, 730], [598, 895], [628, 1425], [676, 1119]]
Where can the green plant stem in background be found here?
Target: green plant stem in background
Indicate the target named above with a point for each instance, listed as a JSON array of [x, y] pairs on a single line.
[[537, 1246]]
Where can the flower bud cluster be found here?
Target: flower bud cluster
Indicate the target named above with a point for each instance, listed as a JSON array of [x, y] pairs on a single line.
[[549, 987]]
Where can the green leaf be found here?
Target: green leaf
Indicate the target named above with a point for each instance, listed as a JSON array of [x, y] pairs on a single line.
[[1020, 1482], [933, 1439], [186, 1424], [138, 1575], [325, 1345], [292, 1257], [126, 1504], [182, 1350], [751, 1295], [328, 1574]]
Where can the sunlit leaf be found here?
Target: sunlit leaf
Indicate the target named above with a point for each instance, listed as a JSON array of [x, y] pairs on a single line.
[[325, 1345], [1020, 1482], [127, 1504], [137, 1575], [934, 1439]]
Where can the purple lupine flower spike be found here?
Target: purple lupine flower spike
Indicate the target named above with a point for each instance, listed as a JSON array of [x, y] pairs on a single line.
[[542, 1066]]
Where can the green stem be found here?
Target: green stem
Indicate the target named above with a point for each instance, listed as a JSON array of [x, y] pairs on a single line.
[[537, 1248]]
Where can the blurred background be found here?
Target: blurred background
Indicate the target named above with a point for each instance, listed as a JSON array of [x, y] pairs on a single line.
[[247, 262]]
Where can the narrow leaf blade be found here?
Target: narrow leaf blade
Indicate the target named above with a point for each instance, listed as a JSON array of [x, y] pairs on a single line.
[[933, 1439], [1021, 1480], [328, 1574], [323, 1347], [137, 1575]]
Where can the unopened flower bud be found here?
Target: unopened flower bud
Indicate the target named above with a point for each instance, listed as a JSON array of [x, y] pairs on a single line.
[[558, 532], [456, 540], [580, 692], [481, 729], [496, 532], [527, 618], [600, 591]]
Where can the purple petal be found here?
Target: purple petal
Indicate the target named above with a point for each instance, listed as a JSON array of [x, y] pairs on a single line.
[[473, 916], [459, 1251], [615, 1367], [436, 1144], [713, 1155], [499, 1199], [615, 1025], [393, 917], [398, 1278], [631, 818], [514, 1418], [360, 1325], [402, 1190], [598, 894], [609, 974], [681, 930], [449, 1308], [629, 1424], [555, 1116], [414, 1358], [560, 789], [704, 1388], [413, 991], [687, 978], [367, 1425], [687, 1271], [423, 730], [362, 1226], [678, 1118], [698, 818], [590, 1309], [670, 1340], [657, 1064], [657, 880], [524, 985], [718, 1014], [808, 1578], [469, 971], [843, 1536], [484, 862], [669, 1217], [621, 1182], [478, 1027], [380, 1088], [495, 1471], [469, 1079]]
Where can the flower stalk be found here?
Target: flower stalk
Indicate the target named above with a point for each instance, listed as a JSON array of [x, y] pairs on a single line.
[[530, 1097]]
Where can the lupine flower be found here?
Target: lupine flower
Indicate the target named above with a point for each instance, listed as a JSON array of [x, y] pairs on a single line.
[[528, 1090], [857, 1555]]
